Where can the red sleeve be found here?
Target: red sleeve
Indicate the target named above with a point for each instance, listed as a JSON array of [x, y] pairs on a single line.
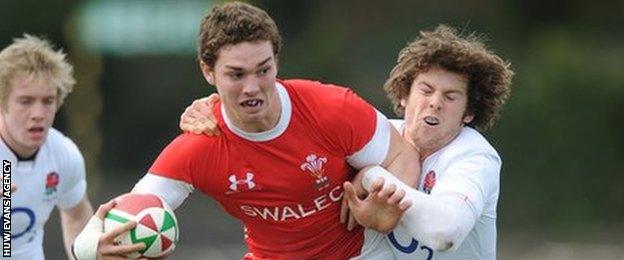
[[356, 121], [348, 120], [183, 158]]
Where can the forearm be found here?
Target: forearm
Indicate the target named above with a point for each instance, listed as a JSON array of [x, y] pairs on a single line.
[[403, 160], [68, 240], [73, 221], [173, 192], [440, 222]]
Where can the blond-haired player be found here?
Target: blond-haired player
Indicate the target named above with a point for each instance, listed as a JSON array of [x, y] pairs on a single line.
[[47, 167]]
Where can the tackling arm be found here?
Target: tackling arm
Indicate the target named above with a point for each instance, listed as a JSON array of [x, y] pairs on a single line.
[[402, 159], [439, 221]]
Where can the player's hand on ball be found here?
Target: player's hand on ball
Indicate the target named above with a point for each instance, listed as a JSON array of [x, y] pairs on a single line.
[[107, 248], [382, 208], [199, 117], [92, 243]]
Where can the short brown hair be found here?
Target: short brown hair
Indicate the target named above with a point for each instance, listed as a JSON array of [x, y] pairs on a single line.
[[233, 23], [489, 76], [31, 55]]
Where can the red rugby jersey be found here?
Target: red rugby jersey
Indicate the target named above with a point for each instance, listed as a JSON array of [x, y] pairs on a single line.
[[285, 184]]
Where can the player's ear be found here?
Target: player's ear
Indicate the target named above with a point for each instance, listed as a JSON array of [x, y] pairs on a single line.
[[403, 102], [468, 117], [208, 72]]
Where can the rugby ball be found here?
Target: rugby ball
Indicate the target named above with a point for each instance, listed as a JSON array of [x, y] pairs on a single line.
[[157, 226]]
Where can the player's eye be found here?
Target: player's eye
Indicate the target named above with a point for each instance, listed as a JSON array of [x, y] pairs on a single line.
[[263, 71], [49, 101], [236, 75], [25, 101], [451, 97], [425, 90]]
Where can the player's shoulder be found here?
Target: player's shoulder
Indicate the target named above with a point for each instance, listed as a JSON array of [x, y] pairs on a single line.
[[307, 84], [61, 145], [397, 124], [316, 91], [470, 141], [194, 143], [334, 109]]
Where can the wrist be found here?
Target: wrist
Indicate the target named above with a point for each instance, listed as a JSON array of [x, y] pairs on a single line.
[[86, 243]]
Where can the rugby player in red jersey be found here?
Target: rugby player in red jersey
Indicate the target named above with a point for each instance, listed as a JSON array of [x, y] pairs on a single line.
[[286, 149]]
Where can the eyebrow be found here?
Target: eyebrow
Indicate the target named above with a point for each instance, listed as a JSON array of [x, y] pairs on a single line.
[[34, 96], [258, 65], [452, 91], [425, 83]]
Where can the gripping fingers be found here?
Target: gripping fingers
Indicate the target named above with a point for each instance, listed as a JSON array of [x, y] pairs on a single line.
[[377, 184], [352, 223], [350, 195], [194, 111], [344, 210], [122, 249], [352, 200], [112, 234], [104, 208], [387, 191], [405, 204], [396, 197]]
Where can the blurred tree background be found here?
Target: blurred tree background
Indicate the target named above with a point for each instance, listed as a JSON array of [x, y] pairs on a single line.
[[561, 135]]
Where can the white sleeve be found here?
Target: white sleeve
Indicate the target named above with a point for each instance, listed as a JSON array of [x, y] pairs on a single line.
[[474, 176], [440, 222], [376, 150], [174, 192], [75, 186]]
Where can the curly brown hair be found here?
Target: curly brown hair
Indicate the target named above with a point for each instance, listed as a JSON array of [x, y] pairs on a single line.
[[233, 23], [489, 76]]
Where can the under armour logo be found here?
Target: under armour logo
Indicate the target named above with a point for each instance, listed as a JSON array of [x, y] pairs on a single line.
[[248, 181]]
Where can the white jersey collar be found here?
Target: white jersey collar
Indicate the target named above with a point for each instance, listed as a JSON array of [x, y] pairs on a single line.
[[270, 134]]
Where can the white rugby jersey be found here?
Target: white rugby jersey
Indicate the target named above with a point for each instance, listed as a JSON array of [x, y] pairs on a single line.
[[450, 170], [56, 177]]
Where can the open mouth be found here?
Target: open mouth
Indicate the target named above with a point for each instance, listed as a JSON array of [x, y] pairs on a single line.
[[431, 120], [35, 130], [252, 103]]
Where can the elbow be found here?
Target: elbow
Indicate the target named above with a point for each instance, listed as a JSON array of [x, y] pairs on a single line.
[[442, 245], [444, 239]]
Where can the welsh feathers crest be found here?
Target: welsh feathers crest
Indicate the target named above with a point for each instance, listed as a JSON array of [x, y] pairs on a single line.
[[314, 165]]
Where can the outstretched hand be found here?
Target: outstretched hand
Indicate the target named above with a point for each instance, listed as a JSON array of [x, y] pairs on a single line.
[[381, 209], [199, 117]]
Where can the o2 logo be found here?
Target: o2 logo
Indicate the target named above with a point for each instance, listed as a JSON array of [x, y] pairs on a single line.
[[18, 214], [411, 248]]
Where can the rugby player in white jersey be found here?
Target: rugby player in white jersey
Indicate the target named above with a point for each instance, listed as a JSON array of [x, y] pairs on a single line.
[[47, 167], [449, 89]]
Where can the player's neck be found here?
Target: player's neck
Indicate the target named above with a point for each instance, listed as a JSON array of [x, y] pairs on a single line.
[[428, 151], [424, 153]]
